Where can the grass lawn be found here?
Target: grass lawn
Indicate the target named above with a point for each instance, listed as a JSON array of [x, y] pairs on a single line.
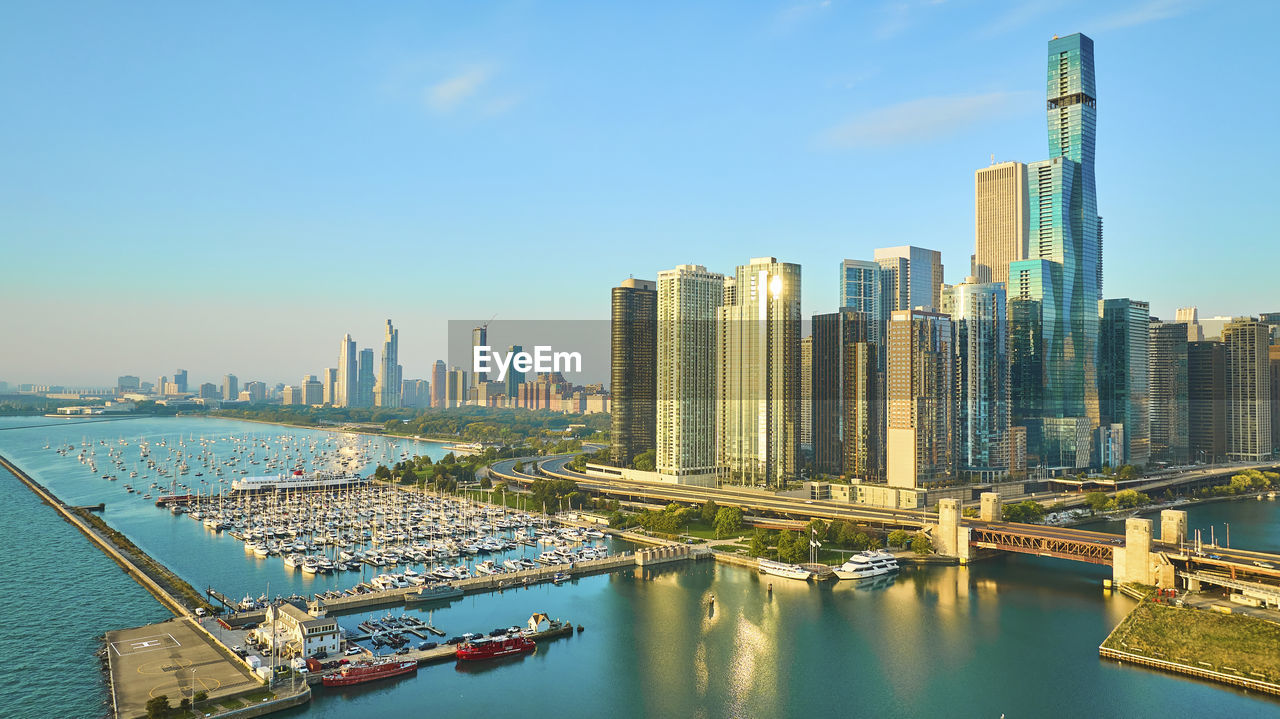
[[1228, 642], [702, 530]]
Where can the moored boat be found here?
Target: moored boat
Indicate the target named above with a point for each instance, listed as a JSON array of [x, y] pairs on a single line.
[[782, 569], [362, 672], [867, 564], [482, 648]]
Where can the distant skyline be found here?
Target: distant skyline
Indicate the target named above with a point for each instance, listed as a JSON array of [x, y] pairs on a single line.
[[183, 183]]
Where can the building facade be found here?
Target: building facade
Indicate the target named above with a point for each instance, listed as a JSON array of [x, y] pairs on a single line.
[[1000, 220], [1248, 389], [1123, 380], [387, 385], [346, 393], [1170, 414], [979, 317], [911, 277], [759, 374], [687, 408], [920, 390], [633, 375], [1207, 401]]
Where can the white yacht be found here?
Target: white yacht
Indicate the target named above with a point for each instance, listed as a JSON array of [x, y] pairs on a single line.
[[782, 569], [867, 564]]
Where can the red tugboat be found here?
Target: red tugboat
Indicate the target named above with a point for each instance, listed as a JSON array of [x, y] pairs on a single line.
[[483, 648], [368, 671]]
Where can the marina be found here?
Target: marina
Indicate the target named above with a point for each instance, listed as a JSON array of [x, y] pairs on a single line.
[[647, 626]]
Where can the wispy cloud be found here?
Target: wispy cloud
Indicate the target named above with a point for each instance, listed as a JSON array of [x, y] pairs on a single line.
[[448, 94], [1149, 11], [1018, 16], [921, 120], [898, 15], [795, 14]]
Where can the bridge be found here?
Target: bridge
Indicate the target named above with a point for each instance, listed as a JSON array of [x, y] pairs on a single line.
[[1136, 556]]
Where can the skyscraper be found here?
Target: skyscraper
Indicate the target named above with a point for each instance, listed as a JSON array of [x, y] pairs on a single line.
[[312, 390], [980, 320], [1000, 220], [920, 438], [861, 289], [759, 373], [1170, 414], [480, 338], [388, 382], [1123, 380], [911, 277], [346, 394], [439, 381], [633, 376], [230, 387], [1207, 401], [1248, 389], [806, 394], [514, 376], [1273, 354], [180, 379], [846, 427], [1057, 287], [688, 298], [330, 380], [1191, 317], [365, 378], [456, 387]]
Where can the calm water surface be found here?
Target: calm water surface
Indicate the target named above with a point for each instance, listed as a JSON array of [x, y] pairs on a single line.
[[1016, 635]]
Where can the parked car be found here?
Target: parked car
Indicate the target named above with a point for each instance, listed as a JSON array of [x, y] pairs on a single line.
[[352, 651]]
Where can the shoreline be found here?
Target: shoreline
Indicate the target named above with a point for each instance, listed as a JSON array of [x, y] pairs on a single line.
[[322, 428]]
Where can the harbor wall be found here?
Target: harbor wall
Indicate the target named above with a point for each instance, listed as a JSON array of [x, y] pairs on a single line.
[[106, 545]]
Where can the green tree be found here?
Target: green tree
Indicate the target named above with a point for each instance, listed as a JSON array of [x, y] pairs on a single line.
[[201, 696], [728, 521], [759, 547], [184, 706], [1097, 501], [709, 510], [898, 538], [645, 461], [1128, 471], [817, 529], [921, 544], [158, 707]]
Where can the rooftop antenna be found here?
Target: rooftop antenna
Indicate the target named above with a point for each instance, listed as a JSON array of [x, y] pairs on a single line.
[[993, 158]]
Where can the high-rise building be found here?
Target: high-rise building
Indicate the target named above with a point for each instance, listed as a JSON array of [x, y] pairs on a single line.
[[415, 393], [291, 395], [1000, 220], [1248, 389], [1190, 316], [387, 384], [230, 387], [1207, 401], [312, 391], [1123, 376], [920, 393], [180, 379], [759, 373], [439, 383], [1273, 354], [1167, 375], [330, 382], [911, 277], [209, 390], [688, 298], [806, 394], [347, 394], [456, 387], [633, 378], [514, 376], [480, 338], [845, 411], [366, 378], [127, 383], [1057, 287], [980, 320], [862, 289], [254, 392]]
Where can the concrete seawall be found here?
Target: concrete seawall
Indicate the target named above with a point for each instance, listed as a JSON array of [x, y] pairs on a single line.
[[169, 601]]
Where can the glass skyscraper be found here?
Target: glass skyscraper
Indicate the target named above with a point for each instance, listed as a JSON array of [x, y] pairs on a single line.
[[1064, 231]]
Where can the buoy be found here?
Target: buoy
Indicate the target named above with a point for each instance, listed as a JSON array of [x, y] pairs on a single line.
[[581, 628]]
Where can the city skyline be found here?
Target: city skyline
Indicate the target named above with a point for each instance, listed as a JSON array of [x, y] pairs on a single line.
[[829, 196]]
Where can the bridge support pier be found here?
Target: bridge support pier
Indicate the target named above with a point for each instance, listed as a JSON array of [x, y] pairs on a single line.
[[992, 508], [950, 536], [1173, 526], [1132, 563]]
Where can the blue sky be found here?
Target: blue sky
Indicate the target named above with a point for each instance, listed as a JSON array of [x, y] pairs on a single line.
[[233, 186]]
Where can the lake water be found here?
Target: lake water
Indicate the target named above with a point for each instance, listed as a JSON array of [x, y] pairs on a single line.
[[1016, 635]]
